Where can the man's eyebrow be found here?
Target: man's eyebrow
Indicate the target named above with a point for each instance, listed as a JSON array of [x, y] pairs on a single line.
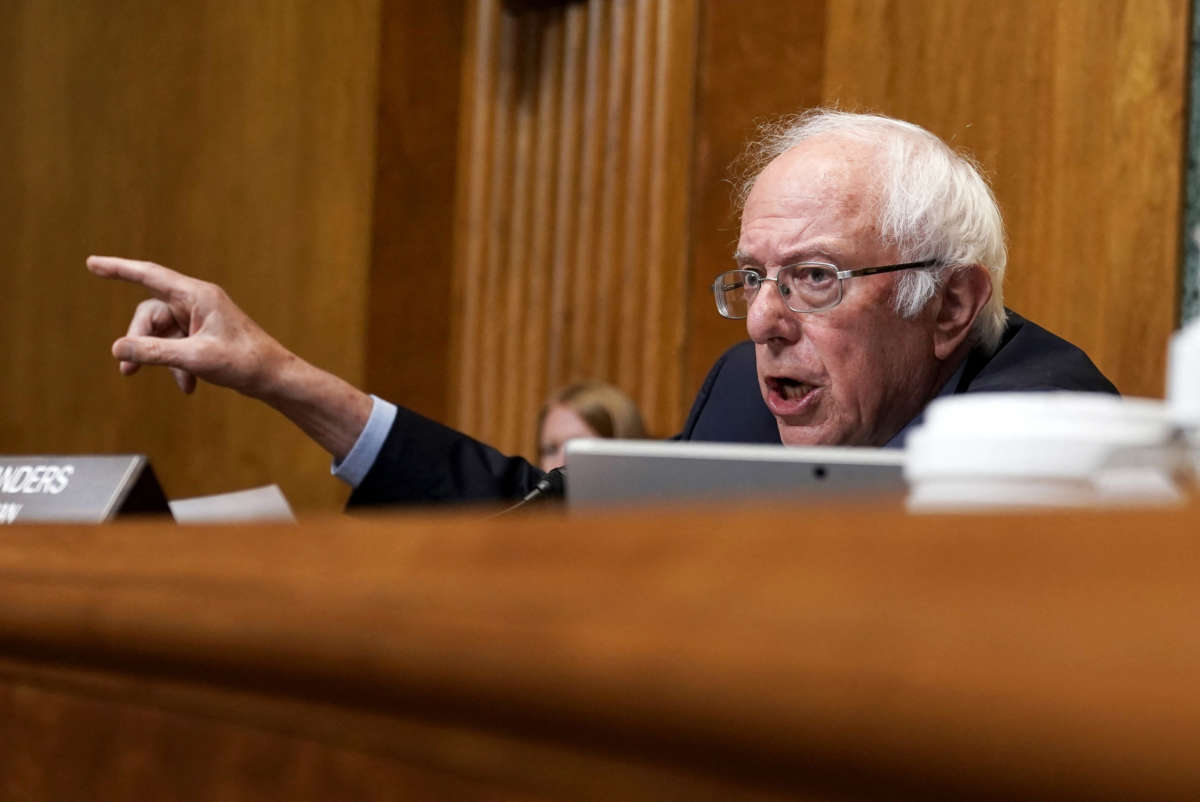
[[808, 254]]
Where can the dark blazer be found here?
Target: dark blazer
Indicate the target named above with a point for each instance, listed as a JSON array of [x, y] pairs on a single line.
[[425, 462]]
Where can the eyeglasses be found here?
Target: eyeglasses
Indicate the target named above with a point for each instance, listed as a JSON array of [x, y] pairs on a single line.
[[804, 287]]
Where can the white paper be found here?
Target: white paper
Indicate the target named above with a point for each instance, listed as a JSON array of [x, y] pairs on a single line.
[[256, 504]]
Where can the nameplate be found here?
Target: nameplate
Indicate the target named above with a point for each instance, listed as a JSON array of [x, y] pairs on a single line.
[[77, 489]]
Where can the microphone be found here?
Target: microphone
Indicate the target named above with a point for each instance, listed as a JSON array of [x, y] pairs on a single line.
[[551, 487]]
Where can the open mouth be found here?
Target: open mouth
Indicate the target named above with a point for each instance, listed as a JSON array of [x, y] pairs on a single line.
[[787, 396], [789, 389]]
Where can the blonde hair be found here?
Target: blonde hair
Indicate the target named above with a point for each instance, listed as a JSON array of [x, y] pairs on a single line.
[[608, 411]]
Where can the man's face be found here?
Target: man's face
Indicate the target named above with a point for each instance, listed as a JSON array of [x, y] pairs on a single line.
[[854, 374]]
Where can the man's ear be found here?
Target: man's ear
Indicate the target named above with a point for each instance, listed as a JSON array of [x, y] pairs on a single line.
[[963, 294]]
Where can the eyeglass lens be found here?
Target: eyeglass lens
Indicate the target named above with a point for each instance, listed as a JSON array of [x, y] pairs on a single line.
[[805, 288]]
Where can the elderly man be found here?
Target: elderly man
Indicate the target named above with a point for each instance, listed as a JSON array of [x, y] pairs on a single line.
[[869, 271]]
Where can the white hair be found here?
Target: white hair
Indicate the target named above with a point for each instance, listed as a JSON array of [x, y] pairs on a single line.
[[934, 203]]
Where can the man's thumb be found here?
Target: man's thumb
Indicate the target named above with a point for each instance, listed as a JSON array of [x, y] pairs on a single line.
[[150, 351]]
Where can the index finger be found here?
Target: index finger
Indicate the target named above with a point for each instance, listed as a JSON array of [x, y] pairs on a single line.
[[162, 281]]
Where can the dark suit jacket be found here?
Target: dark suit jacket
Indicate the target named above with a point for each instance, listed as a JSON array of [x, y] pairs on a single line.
[[425, 462]]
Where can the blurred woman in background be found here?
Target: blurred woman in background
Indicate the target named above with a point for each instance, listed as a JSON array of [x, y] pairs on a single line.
[[585, 409]]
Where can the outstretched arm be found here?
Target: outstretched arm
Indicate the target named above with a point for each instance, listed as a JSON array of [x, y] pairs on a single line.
[[196, 330]]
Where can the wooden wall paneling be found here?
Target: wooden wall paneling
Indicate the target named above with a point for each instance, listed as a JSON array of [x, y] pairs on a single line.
[[533, 315], [574, 198], [627, 274], [757, 60], [605, 26], [629, 301], [1076, 111], [663, 267], [473, 228], [513, 285], [486, 390], [471, 207], [232, 141], [598, 287], [409, 303], [1147, 139], [575, 163]]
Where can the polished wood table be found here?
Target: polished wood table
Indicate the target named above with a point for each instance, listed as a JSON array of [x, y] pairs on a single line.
[[760, 652]]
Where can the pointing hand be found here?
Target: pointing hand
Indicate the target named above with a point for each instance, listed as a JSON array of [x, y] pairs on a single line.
[[193, 328]]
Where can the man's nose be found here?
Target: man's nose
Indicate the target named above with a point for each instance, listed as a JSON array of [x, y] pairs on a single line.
[[769, 317]]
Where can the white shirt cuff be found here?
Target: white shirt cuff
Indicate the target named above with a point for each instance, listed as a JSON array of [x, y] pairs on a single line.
[[354, 467]]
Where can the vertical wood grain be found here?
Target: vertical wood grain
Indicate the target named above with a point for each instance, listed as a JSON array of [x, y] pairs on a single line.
[[1076, 111], [472, 207], [232, 141], [514, 283], [586, 161], [534, 331], [571, 202], [626, 273], [408, 325], [662, 274], [597, 289], [485, 389], [606, 23]]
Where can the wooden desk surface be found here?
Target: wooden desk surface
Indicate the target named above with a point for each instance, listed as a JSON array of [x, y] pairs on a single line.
[[761, 652]]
